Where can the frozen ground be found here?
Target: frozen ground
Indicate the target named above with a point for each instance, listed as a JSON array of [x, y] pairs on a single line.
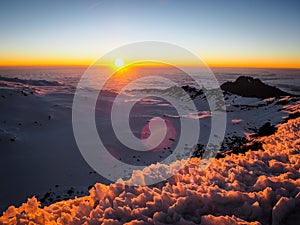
[[258, 187], [38, 149]]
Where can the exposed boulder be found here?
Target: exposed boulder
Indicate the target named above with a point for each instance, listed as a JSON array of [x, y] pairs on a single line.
[[252, 87]]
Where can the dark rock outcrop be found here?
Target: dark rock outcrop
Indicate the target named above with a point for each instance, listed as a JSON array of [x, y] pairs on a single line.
[[265, 130], [252, 87], [193, 92]]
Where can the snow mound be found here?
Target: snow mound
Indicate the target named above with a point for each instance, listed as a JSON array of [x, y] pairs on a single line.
[[259, 187]]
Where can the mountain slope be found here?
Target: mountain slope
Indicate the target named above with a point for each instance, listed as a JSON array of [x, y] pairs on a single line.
[[259, 187]]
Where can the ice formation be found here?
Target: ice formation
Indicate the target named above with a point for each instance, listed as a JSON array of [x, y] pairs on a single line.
[[259, 187]]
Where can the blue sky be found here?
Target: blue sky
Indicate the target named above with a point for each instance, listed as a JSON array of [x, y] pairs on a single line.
[[218, 31]]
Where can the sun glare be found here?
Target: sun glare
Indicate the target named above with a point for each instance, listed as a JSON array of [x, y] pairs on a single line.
[[119, 62]]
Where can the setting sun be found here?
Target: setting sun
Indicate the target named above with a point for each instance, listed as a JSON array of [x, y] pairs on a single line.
[[119, 62]]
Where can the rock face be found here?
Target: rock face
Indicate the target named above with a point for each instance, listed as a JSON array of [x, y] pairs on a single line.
[[265, 130], [252, 87]]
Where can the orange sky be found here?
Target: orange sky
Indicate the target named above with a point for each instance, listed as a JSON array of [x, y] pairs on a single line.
[[220, 62]]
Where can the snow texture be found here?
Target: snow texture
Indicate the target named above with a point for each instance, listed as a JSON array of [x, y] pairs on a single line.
[[258, 187]]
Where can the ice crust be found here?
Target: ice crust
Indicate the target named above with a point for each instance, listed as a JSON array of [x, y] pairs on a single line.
[[258, 187]]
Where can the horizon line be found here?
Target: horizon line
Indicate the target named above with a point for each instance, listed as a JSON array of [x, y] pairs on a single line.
[[154, 65]]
